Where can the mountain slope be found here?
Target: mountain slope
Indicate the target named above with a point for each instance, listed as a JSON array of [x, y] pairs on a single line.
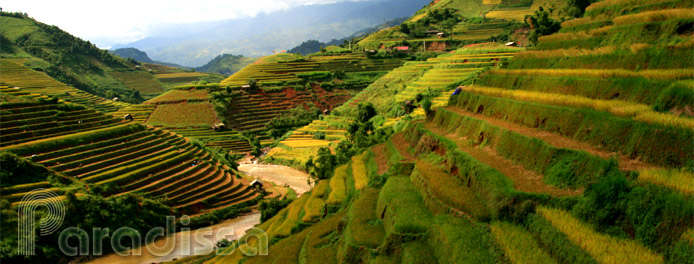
[[578, 151], [226, 64], [66, 58]]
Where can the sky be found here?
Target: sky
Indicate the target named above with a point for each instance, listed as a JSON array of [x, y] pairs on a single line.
[[123, 21]]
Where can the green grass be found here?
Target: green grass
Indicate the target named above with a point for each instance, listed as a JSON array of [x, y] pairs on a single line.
[[561, 167], [364, 227], [657, 144], [518, 244], [604, 248], [459, 240], [292, 218], [403, 208]]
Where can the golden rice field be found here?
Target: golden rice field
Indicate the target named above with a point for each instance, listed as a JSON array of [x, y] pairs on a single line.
[[603, 248], [292, 217], [653, 16], [514, 14], [518, 244], [179, 75], [583, 21], [181, 95], [313, 208], [608, 3], [337, 186], [659, 74], [140, 81], [564, 36], [183, 115], [491, 2], [679, 180], [359, 171], [639, 112], [571, 52], [306, 143]]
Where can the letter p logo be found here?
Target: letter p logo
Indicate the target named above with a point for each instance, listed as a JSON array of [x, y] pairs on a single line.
[[49, 223]]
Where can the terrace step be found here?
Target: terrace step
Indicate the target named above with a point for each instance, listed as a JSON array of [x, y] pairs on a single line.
[[523, 179], [558, 141]]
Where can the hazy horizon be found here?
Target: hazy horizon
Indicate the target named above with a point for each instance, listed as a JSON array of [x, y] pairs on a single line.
[[111, 25]]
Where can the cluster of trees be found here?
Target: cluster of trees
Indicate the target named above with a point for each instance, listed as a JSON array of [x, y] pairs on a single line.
[[542, 24], [654, 215], [360, 135], [438, 19], [296, 117]]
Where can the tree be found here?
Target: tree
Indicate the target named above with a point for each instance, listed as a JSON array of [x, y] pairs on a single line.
[[365, 111], [404, 28], [542, 24], [253, 83]]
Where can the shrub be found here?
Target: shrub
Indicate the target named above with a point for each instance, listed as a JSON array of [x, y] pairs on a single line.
[[319, 135]]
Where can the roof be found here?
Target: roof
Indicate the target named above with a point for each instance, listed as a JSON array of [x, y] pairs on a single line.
[[256, 181], [510, 43], [245, 86], [403, 48]]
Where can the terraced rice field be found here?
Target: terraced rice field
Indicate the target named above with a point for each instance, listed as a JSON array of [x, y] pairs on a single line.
[[228, 139], [517, 14], [20, 80], [603, 248], [299, 146], [183, 115], [25, 122], [133, 158], [140, 112], [140, 81]]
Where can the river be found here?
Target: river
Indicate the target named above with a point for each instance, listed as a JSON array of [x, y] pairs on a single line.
[[229, 229]]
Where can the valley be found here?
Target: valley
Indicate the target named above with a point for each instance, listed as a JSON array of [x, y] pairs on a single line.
[[475, 131]]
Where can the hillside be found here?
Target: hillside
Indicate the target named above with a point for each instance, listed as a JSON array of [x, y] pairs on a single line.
[[460, 23], [141, 56], [226, 64], [70, 60], [133, 53], [572, 144], [558, 155]]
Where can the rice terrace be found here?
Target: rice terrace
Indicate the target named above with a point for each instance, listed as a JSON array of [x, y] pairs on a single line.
[[373, 131]]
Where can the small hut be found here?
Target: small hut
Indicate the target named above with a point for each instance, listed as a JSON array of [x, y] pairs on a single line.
[[511, 44], [218, 127], [128, 117], [256, 184]]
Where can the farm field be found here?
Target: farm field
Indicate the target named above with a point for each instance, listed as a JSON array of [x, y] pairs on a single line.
[[436, 76], [575, 147], [183, 115], [546, 127], [20, 80], [126, 155]]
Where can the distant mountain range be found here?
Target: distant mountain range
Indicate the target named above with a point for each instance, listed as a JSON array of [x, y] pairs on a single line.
[[197, 43], [141, 56], [313, 46]]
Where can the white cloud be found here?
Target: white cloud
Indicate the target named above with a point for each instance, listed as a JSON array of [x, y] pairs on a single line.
[[108, 23]]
